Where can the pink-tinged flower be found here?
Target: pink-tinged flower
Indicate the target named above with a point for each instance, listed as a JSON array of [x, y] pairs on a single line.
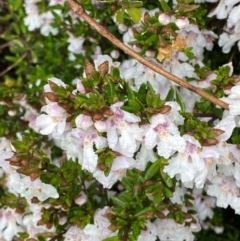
[[36, 188], [83, 121], [102, 223], [224, 189], [123, 134], [164, 134], [168, 229], [80, 144], [33, 20], [178, 195], [53, 121], [80, 86], [118, 170], [30, 221], [82, 199], [187, 163], [203, 204], [90, 232], [76, 44], [47, 20], [10, 224]]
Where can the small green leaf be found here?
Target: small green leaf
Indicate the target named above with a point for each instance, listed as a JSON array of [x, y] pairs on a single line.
[[135, 14], [180, 102], [120, 15], [153, 169], [135, 4], [115, 238], [170, 94], [165, 6], [119, 202]]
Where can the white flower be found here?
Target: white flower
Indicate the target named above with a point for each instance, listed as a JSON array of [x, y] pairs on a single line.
[[47, 19], [10, 224], [102, 223], [168, 229], [186, 163], [36, 188], [53, 120], [233, 100], [118, 170], [224, 189], [90, 233], [228, 40], [79, 143], [76, 44], [83, 121], [30, 221], [123, 134], [33, 20], [143, 157], [223, 8], [164, 133]]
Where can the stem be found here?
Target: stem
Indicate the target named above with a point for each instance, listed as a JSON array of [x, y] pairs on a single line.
[[79, 10], [2, 46], [13, 65]]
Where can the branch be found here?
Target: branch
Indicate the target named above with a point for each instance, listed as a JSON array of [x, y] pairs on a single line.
[[79, 10], [13, 65]]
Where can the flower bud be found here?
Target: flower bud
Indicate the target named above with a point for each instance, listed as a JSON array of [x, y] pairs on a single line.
[[182, 22], [209, 142], [34, 175], [165, 109], [164, 18], [103, 68], [89, 69], [34, 200], [51, 96], [97, 116]]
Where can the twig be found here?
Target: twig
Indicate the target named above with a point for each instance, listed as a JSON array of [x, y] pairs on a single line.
[[2, 46], [13, 65], [79, 10]]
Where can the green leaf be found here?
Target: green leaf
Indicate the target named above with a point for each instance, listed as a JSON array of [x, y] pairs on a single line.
[[153, 169], [143, 211], [170, 94], [157, 199], [167, 192], [180, 102], [119, 202], [120, 15], [115, 238], [165, 6], [135, 4], [135, 14]]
